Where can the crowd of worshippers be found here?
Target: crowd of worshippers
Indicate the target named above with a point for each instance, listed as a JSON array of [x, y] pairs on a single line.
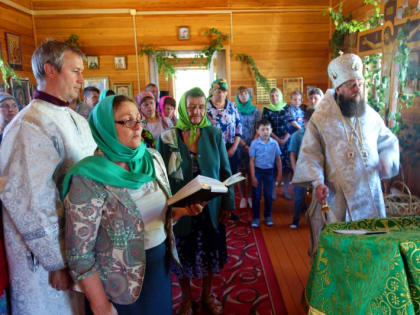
[[85, 185]]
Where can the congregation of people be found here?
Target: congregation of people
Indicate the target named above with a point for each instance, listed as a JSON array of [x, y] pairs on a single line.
[[85, 184]]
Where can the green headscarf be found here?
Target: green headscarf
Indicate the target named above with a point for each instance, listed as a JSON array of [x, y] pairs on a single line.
[[102, 168], [184, 122], [247, 108], [279, 105], [104, 92]]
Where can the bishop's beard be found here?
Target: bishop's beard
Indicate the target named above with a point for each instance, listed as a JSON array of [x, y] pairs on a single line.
[[350, 107]]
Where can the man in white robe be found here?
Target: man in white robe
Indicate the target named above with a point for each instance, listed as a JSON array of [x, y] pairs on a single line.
[[42, 142], [346, 150]]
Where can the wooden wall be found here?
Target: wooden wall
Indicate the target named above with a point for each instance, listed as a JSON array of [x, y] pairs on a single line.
[[283, 44], [162, 5], [17, 22]]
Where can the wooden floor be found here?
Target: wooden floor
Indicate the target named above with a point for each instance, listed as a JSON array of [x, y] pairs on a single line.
[[288, 252]]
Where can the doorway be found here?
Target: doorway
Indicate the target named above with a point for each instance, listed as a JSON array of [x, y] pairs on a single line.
[[187, 78]]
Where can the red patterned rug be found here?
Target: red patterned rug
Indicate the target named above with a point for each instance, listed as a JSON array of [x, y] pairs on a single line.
[[247, 284]]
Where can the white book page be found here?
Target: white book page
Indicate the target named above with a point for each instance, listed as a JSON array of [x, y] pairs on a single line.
[[233, 179], [359, 232]]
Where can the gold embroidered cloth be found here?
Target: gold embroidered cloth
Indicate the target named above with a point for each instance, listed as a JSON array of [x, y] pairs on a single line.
[[367, 274]]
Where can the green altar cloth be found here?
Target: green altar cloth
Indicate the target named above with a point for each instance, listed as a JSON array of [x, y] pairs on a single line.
[[367, 274]]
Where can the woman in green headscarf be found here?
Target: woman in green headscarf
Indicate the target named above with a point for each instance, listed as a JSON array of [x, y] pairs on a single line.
[[194, 147], [117, 220], [249, 115], [279, 120]]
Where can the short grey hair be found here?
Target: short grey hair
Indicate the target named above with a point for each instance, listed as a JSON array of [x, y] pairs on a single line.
[[317, 91], [52, 52]]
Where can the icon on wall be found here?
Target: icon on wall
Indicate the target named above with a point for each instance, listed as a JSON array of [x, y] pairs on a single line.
[[120, 62], [123, 89], [101, 83], [183, 32], [14, 51], [93, 62]]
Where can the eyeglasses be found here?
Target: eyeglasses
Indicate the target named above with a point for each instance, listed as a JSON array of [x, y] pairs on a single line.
[[131, 123], [8, 106]]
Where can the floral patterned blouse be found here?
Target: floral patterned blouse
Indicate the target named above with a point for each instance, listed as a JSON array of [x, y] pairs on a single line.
[[227, 120]]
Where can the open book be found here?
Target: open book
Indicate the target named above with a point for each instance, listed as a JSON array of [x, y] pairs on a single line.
[[202, 188]]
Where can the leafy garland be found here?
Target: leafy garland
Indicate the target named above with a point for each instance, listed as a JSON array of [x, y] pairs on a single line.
[[73, 41], [345, 25], [165, 61], [7, 72], [262, 80], [377, 86], [216, 45]]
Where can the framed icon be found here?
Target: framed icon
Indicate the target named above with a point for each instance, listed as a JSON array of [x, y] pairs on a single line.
[[183, 32], [290, 85], [123, 89], [14, 51], [21, 91], [101, 83], [93, 62], [120, 62]]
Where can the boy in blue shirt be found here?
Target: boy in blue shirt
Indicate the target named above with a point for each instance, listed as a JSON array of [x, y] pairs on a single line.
[[299, 205], [263, 153]]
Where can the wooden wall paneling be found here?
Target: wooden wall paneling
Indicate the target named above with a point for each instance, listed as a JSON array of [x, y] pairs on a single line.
[[24, 3], [105, 36], [290, 44], [161, 31], [283, 44], [174, 5], [17, 22], [156, 5]]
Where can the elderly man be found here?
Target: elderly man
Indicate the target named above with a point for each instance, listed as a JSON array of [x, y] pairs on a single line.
[[153, 88], [8, 110], [91, 96], [347, 148], [38, 147]]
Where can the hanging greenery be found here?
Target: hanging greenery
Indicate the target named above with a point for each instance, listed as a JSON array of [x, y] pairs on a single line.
[[345, 25], [7, 72], [73, 41], [376, 86], [164, 60], [262, 80], [216, 44], [401, 59]]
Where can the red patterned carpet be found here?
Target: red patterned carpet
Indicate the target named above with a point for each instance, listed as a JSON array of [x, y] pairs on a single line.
[[247, 284]]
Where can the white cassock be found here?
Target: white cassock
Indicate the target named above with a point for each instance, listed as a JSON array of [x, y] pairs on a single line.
[[349, 157], [38, 147]]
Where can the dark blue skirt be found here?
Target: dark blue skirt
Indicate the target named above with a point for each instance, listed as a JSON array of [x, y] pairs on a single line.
[[156, 292]]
